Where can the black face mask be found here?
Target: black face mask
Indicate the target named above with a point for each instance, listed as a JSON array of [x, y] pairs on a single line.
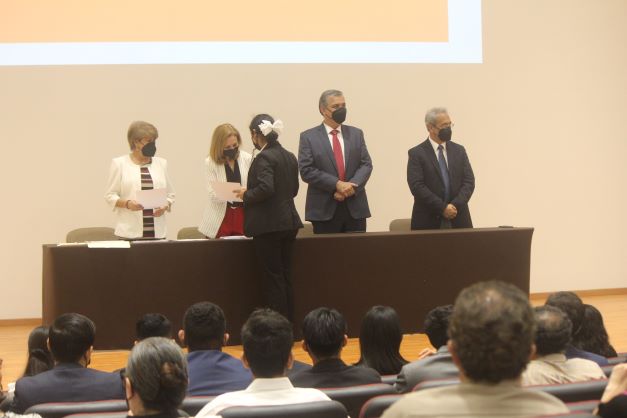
[[150, 149], [339, 115], [231, 154], [445, 134]]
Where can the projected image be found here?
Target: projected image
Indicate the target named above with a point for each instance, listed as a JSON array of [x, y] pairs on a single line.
[[239, 31]]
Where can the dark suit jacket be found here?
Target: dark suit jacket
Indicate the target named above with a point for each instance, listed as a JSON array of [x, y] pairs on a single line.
[[212, 372], [66, 382], [319, 169], [272, 186], [334, 373], [437, 366], [426, 184]]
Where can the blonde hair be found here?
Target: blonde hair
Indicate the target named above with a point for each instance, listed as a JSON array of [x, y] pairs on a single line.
[[220, 134], [140, 130]]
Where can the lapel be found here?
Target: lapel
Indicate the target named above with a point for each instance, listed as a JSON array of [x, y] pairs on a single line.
[[326, 144], [347, 147], [433, 158], [451, 154]]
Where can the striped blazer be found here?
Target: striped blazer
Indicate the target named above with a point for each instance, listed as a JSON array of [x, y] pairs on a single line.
[[215, 209]]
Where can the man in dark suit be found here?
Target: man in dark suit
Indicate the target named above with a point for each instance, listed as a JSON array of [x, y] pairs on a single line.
[[211, 372], [324, 336], [334, 161], [71, 339], [440, 177], [430, 366]]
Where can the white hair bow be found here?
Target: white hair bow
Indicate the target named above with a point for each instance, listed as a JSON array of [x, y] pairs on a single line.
[[266, 127]]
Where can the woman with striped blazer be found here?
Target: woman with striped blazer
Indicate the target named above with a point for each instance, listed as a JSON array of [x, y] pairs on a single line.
[[225, 162]]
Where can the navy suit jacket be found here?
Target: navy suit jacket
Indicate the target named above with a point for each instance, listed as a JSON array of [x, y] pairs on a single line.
[[212, 372], [426, 184], [66, 382], [334, 373], [319, 169]]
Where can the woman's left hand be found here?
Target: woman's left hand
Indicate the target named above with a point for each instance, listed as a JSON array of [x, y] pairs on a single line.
[[159, 211]]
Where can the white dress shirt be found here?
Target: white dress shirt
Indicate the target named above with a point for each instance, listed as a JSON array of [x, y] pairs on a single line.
[[274, 391], [124, 183], [339, 137]]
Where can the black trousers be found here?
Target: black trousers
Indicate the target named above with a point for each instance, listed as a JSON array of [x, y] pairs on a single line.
[[342, 221], [274, 252]]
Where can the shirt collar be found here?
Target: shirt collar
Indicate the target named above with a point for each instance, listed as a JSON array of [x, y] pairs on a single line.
[[268, 384], [553, 358], [435, 145], [329, 129]]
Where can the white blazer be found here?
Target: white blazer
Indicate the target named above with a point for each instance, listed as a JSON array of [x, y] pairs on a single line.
[[215, 209], [124, 182]]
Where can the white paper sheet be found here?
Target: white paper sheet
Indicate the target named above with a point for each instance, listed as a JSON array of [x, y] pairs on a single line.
[[109, 244], [153, 198], [224, 190]]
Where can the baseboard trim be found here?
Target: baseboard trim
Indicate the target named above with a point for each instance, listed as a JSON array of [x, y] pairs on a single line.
[[21, 321], [619, 291]]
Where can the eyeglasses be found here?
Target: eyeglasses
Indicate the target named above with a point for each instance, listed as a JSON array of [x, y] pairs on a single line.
[[447, 125]]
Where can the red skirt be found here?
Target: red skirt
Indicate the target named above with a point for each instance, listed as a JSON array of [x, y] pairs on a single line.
[[233, 222]]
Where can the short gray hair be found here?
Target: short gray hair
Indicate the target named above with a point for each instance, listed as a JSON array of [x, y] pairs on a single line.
[[324, 97], [432, 115], [157, 369]]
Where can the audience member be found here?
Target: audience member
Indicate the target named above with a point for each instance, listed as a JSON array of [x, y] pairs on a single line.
[[267, 339], [324, 336], [152, 325], [573, 307], [592, 336], [491, 340], [39, 357], [380, 341], [614, 399], [156, 378], [437, 366], [211, 372], [549, 364], [71, 338]]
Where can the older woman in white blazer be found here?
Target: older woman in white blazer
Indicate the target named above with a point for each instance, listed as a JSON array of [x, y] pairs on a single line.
[[130, 173], [226, 162]]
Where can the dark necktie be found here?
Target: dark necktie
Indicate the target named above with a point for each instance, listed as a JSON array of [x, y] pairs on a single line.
[[444, 172], [339, 158]]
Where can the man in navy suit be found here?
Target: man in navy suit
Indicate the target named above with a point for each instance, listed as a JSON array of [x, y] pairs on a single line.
[[71, 339], [440, 177], [334, 161], [211, 372]]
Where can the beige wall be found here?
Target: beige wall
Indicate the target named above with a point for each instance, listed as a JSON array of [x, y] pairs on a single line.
[[542, 120]]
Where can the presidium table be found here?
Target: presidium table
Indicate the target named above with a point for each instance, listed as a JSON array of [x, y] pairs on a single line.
[[410, 271]]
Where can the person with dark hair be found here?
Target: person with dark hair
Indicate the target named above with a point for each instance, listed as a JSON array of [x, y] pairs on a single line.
[[152, 325], [592, 337], [491, 335], [270, 216], [211, 372], [267, 340], [335, 163], [550, 365], [428, 367], [71, 339], [324, 336], [380, 340], [155, 380], [39, 356], [574, 308]]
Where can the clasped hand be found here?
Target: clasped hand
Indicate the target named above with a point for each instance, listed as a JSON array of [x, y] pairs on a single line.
[[344, 189], [450, 212]]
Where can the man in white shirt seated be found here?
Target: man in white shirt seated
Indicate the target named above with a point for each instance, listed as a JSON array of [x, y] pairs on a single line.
[[550, 365], [267, 339], [491, 340]]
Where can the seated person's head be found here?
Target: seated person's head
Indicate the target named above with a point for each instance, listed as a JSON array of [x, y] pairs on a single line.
[[39, 355], [324, 333], [491, 332], [71, 339], [155, 377], [436, 325], [553, 329], [592, 335], [153, 325], [380, 338], [571, 305], [267, 339], [204, 327]]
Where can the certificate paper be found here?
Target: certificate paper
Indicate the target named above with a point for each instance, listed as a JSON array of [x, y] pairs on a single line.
[[224, 191], [153, 198]]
